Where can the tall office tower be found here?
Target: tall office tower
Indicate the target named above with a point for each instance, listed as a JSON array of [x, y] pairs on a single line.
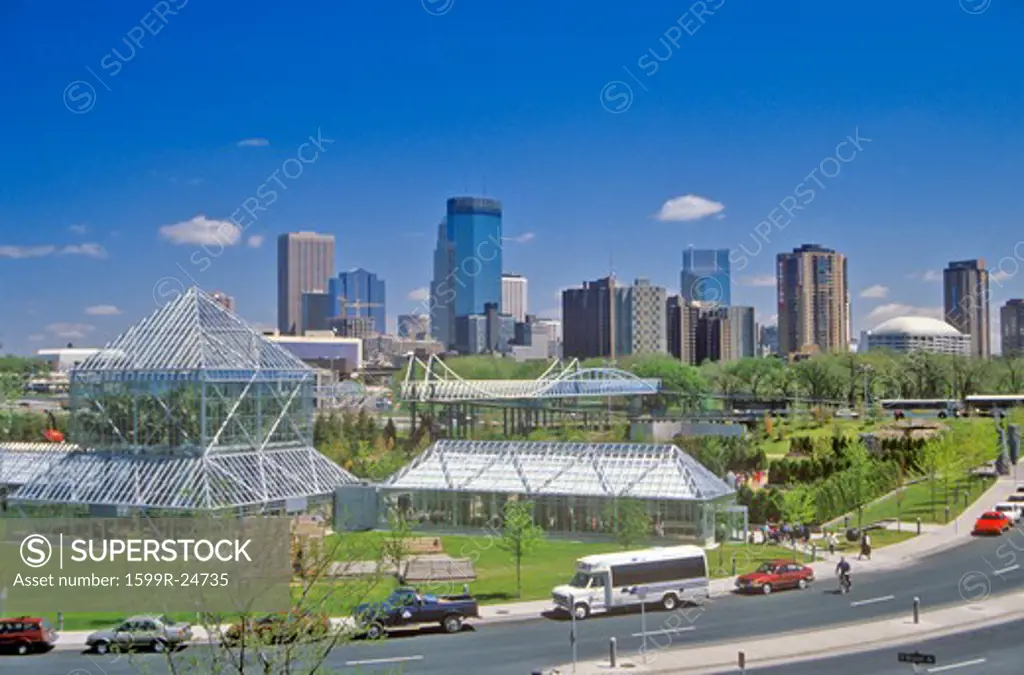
[[588, 320], [1011, 326], [647, 308], [965, 287], [305, 262], [513, 296], [442, 289], [224, 300], [743, 331], [359, 293], [413, 326], [813, 300], [705, 276], [681, 335], [467, 262]]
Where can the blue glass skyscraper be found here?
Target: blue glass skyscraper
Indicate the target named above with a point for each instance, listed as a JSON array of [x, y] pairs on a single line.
[[705, 276], [360, 293], [473, 226]]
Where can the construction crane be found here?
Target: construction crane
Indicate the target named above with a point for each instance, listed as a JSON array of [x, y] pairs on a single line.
[[357, 306]]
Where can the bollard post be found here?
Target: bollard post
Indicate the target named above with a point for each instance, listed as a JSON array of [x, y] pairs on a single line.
[[966, 499], [743, 663], [917, 610], [947, 513], [60, 621], [612, 655], [734, 564], [814, 552], [919, 527]]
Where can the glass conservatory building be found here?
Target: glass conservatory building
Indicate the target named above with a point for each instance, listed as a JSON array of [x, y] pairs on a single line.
[[575, 487], [190, 409]]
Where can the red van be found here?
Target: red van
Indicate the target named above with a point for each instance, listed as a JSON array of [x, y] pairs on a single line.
[[26, 634]]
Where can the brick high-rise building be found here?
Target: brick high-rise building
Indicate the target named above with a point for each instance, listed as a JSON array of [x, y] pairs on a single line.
[[305, 263], [588, 320], [966, 296], [813, 300], [1011, 327]]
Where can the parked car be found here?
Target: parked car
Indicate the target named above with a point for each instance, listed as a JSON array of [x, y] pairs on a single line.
[[406, 607], [279, 628], [26, 634], [992, 522], [158, 633], [775, 575], [1016, 498], [1012, 510]]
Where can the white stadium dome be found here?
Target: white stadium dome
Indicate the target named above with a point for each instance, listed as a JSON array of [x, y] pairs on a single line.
[[918, 333], [920, 326]]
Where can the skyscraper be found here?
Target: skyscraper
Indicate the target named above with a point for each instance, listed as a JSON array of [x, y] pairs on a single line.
[[588, 320], [359, 293], [513, 296], [305, 262], [681, 319], [642, 319], [965, 291], [442, 289], [813, 300], [467, 262], [1011, 327], [705, 276]]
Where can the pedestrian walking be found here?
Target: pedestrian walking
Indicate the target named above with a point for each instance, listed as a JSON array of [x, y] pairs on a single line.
[[832, 543], [865, 547]]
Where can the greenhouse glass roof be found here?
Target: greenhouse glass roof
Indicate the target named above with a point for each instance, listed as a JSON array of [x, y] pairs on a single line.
[[192, 333], [635, 470], [67, 474]]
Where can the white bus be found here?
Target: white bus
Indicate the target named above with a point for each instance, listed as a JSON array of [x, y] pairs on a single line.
[[667, 576]]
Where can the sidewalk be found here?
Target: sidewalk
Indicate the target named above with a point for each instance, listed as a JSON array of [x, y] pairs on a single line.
[[783, 648]]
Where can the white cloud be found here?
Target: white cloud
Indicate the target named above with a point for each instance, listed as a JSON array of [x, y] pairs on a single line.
[[202, 231], [253, 143], [102, 310], [26, 251], [78, 229], [759, 280], [70, 331], [689, 207], [419, 294], [876, 291], [256, 240], [524, 238], [88, 250], [1000, 275], [17, 252], [927, 275], [895, 309]]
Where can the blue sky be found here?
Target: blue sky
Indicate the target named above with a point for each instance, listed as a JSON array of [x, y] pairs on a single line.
[[122, 131]]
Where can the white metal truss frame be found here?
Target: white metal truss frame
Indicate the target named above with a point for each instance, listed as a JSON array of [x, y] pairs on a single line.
[[188, 483], [440, 384], [191, 340], [613, 470]]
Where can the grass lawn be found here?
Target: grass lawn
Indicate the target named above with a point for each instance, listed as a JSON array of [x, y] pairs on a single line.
[[918, 501]]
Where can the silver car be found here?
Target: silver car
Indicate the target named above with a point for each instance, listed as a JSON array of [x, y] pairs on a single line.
[[158, 633]]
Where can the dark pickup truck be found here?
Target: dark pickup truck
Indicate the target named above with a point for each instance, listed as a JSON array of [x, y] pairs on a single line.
[[405, 607]]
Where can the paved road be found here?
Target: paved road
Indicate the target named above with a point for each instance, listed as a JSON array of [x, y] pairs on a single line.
[[517, 648], [990, 651]]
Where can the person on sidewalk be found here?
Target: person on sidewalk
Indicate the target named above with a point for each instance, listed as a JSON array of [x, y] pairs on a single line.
[[865, 546], [832, 542]]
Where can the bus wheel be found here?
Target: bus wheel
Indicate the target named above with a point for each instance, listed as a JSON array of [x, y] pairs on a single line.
[[670, 601]]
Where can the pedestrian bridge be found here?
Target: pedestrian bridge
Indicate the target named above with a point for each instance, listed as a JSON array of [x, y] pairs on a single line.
[[434, 382]]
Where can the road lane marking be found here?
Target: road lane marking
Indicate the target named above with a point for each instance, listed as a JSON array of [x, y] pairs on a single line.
[[951, 666], [667, 631], [884, 598], [394, 659], [1006, 570]]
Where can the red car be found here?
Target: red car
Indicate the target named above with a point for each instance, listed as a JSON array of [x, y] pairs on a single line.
[[775, 575], [992, 522], [26, 634]]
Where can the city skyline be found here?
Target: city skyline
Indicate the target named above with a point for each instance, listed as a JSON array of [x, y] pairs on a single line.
[[126, 221]]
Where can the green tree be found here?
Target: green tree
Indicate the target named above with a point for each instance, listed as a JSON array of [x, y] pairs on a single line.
[[519, 535], [394, 548], [798, 505], [629, 521]]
